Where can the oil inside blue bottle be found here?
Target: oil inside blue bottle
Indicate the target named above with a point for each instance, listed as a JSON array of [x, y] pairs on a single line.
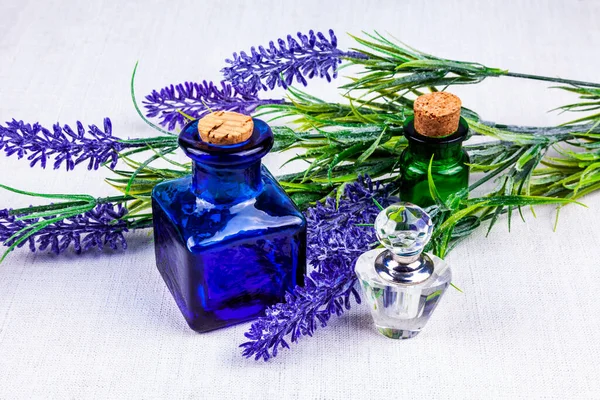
[[229, 241]]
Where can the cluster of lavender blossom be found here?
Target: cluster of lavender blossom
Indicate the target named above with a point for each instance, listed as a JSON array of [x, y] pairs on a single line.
[[309, 56], [334, 243], [173, 103], [67, 146], [96, 228]]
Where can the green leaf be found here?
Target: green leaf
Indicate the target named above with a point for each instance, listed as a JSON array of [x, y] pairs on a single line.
[[343, 156], [341, 190], [304, 200], [363, 157], [145, 164], [302, 186], [456, 287], [78, 209], [433, 192], [82, 197], [137, 108], [457, 216], [519, 201], [284, 137], [377, 204]]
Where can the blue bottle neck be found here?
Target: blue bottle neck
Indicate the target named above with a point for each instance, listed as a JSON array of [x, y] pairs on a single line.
[[223, 185], [226, 174]]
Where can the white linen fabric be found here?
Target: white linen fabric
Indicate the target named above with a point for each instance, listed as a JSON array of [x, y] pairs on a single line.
[[103, 324]]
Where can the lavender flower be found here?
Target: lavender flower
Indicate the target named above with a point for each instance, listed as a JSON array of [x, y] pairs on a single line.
[[197, 99], [38, 144], [334, 244], [307, 57], [95, 228]]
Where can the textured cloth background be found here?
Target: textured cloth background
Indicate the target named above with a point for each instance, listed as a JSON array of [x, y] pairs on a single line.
[[103, 325]]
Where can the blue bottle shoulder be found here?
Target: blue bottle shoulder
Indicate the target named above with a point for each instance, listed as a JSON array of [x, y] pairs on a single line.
[[202, 224]]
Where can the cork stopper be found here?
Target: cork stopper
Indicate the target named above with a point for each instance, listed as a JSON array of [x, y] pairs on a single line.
[[437, 114], [225, 127]]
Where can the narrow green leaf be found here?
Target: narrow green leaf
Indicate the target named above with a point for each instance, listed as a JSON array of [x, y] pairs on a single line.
[[456, 287], [341, 190], [367, 153], [144, 164], [377, 204], [82, 197], [433, 192], [137, 108]]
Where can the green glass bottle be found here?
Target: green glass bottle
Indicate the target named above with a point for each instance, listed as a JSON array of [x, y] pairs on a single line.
[[449, 167]]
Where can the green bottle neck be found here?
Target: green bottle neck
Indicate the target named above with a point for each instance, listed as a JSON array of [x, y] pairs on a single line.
[[445, 150], [423, 152]]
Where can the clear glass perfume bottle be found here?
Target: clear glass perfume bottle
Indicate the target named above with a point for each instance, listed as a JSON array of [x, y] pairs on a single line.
[[229, 241], [401, 284]]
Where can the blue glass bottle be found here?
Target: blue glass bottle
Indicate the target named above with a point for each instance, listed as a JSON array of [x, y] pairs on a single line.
[[229, 241]]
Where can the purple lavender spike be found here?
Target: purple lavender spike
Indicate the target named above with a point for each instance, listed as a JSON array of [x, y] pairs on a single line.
[[334, 244], [96, 228], [63, 144], [309, 56], [198, 99]]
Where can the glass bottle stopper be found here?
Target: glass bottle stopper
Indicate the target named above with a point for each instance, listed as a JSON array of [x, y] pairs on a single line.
[[403, 229]]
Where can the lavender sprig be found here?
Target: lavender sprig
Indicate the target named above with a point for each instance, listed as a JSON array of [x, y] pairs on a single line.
[[65, 145], [96, 228], [334, 243], [309, 56], [71, 147], [196, 99]]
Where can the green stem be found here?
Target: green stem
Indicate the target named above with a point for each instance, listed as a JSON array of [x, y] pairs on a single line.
[[507, 164], [142, 223], [49, 207], [164, 140], [68, 204], [111, 199], [550, 79]]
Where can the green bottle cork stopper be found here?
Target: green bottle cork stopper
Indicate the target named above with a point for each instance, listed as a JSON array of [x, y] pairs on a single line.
[[437, 114]]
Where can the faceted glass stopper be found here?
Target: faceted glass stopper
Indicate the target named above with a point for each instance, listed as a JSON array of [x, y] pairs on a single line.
[[404, 229]]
